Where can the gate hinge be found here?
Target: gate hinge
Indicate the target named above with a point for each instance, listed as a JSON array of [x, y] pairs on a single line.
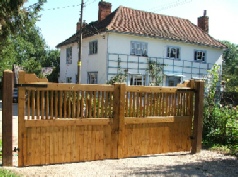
[[16, 149]]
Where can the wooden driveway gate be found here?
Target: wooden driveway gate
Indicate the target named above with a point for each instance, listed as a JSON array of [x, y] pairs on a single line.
[[60, 123]]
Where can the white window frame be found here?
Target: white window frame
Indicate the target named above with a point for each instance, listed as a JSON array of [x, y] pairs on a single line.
[[173, 52], [93, 47], [139, 48], [92, 77], [69, 55], [200, 55]]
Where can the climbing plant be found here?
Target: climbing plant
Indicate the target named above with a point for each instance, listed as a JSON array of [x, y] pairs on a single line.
[[155, 70]]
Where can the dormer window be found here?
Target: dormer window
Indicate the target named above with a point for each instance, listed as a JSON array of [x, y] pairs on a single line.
[[173, 52], [200, 55], [139, 48]]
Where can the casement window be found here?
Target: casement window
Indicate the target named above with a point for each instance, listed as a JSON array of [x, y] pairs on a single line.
[[69, 79], [93, 47], [92, 77], [69, 55], [200, 55], [139, 48], [173, 52]]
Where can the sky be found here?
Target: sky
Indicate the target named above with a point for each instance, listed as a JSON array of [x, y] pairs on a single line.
[[59, 17]]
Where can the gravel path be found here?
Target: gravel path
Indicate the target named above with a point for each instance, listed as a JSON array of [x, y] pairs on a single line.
[[206, 163]]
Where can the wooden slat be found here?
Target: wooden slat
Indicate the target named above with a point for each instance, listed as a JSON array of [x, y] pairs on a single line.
[[37, 104], [85, 143], [74, 87], [60, 104], [89, 103], [148, 120], [89, 143], [33, 105], [65, 104], [102, 106], [74, 105], [28, 104], [81, 142], [47, 105], [42, 95], [51, 104], [78, 105], [37, 146], [51, 134], [67, 122], [43, 146], [22, 141], [106, 105], [56, 104], [100, 137], [94, 103], [68, 107], [156, 89], [107, 142], [82, 105], [28, 147], [47, 145]]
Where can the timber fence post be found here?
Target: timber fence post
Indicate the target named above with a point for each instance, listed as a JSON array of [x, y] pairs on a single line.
[[198, 117], [118, 126], [8, 84]]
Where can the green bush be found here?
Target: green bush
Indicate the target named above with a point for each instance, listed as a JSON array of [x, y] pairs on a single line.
[[220, 122]]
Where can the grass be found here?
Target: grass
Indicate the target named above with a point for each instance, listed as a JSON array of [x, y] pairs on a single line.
[[7, 173], [4, 172]]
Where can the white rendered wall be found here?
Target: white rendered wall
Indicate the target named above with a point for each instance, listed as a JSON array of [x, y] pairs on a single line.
[[94, 62], [120, 44], [114, 44], [68, 70]]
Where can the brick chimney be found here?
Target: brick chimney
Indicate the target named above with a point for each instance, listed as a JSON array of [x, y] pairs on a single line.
[[78, 25], [104, 9], [203, 22]]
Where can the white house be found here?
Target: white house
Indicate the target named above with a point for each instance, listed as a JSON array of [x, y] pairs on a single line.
[[127, 40]]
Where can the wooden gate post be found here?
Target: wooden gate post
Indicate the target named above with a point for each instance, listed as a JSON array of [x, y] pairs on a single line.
[[198, 117], [118, 126], [8, 83], [21, 123]]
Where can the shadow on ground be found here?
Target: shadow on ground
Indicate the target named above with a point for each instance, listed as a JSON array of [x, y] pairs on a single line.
[[212, 167]]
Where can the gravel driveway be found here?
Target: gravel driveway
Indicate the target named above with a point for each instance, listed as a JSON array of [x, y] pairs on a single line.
[[206, 163]]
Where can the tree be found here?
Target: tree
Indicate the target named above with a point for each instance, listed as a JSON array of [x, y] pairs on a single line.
[[52, 59], [14, 18], [20, 39], [230, 68]]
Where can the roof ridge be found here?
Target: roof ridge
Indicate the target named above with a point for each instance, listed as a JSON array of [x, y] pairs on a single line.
[[154, 13]]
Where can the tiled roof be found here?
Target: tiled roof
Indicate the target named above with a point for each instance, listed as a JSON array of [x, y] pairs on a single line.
[[129, 21]]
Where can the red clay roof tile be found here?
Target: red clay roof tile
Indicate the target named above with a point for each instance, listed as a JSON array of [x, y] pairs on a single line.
[[137, 22]]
